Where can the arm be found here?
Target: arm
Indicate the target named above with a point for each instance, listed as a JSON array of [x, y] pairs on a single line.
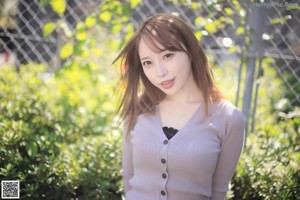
[[231, 147], [127, 166]]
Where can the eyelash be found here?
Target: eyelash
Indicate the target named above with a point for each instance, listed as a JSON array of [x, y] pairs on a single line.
[[168, 55], [146, 63]]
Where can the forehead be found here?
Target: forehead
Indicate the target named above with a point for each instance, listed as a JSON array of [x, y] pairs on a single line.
[[146, 46]]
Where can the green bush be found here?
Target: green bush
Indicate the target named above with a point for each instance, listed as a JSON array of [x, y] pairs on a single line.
[[58, 135], [269, 168]]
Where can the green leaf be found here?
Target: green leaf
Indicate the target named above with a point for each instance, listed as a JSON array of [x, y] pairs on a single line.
[[240, 30], [134, 3], [90, 22], [293, 6], [105, 16], [114, 45], [78, 47], [200, 21], [126, 10], [66, 51], [281, 20], [58, 6], [81, 35], [44, 2], [228, 11], [85, 53], [116, 28], [48, 28], [80, 26], [210, 27], [32, 148], [232, 49], [195, 5], [198, 35], [97, 51]]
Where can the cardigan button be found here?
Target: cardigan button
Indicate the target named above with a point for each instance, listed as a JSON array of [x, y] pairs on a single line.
[[163, 161], [164, 176], [163, 193], [166, 141]]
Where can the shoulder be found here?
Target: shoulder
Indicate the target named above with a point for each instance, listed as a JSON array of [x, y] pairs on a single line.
[[226, 111], [228, 118]]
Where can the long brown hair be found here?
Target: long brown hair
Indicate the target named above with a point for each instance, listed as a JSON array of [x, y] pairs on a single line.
[[173, 34]]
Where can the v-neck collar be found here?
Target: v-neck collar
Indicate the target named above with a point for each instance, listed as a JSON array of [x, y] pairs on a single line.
[[197, 114]]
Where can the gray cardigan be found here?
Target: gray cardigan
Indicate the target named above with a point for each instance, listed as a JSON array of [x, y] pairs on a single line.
[[196, 164]]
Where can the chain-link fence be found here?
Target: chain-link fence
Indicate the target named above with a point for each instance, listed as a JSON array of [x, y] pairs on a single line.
[[260, 41], [21, 34]]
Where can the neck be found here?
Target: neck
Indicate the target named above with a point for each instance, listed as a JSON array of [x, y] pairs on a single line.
[[193, 95]]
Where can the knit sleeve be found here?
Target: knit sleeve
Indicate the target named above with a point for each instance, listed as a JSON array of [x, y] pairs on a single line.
[[232, 141], [127, 166]]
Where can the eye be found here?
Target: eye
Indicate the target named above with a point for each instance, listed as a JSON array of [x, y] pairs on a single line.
[[146, 63], [168, 55]]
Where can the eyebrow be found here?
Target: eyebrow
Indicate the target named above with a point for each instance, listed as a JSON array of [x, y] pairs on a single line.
[[145, 58]]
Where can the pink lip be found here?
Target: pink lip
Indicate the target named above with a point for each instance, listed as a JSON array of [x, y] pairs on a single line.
[[168, 83]]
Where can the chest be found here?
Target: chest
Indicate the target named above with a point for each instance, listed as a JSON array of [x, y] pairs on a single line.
[[193, 147], [177, 116]]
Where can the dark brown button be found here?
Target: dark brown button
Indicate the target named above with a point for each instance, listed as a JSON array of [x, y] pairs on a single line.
[[163, 161], [164, 176], [163, 193], [166, 141]]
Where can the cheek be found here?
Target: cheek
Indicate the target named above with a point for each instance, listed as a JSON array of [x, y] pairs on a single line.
[[149, 75], [185, 66]]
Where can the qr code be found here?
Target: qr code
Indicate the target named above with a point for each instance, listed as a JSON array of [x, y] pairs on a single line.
[[10, 189]]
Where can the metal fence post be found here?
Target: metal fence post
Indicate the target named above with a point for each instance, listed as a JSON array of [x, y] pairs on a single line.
[[256, 22]]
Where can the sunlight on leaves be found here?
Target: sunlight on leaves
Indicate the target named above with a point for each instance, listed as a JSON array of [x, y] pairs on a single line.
[[117, 28], [90, 22], [59, 6], [81, 35], [228, 11], [200, 21], [66, 50], [240, 30], [232, 49], [194, 5], [105, 16], [85, 53], [198, 35], [48, 28], [97, 51], [134, 3], [210, 27]]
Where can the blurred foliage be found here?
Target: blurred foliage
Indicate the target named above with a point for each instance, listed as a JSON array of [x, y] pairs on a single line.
[[59, 132], [220, 16], [269, 168], [58, 135], [111, 15]]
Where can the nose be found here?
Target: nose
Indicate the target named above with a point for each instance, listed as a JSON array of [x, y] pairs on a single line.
[[161, 70]]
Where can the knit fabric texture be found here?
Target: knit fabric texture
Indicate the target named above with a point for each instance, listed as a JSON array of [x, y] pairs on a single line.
[[195, 164]]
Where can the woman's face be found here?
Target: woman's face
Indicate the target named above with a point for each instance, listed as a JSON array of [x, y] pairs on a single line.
[[170, 71]]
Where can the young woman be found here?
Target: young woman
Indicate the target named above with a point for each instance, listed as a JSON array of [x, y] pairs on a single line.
[[182, 139]]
